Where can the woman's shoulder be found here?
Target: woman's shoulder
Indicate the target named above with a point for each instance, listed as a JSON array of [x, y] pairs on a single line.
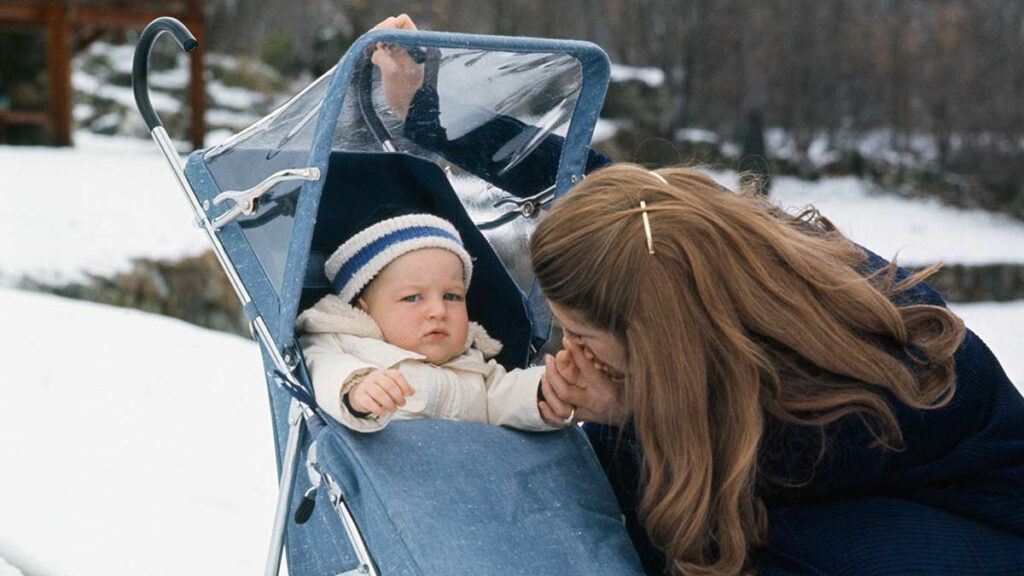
[[977, 433], [921, 293]]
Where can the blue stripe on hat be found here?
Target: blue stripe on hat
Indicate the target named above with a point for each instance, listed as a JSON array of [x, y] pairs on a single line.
[[371, 250]]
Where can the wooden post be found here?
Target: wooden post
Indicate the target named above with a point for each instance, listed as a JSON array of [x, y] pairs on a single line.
[[62, 18], [58, 59]]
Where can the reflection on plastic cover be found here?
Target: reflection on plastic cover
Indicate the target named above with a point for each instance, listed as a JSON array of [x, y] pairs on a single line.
[[492, 120], [486, 115]]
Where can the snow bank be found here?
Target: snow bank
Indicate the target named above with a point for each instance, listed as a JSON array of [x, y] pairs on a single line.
[[916, 231], [650, 75], [133, 443], [1001, 326], [92, 208], [604, 130], [8, 570], [697, 135], [89, 209]]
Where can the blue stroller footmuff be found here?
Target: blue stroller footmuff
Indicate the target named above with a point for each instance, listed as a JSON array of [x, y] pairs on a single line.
[[498, 130], [469, 498]]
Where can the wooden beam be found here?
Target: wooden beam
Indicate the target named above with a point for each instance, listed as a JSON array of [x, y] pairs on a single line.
[[22, 13], [125, 18], [58, 59], [84, 37], [12, 117]]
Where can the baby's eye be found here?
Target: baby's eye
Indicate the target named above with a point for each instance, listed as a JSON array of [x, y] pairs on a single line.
[[411, 298], [453, 297]]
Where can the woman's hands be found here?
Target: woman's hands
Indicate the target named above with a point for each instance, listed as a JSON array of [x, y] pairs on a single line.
[[400, 75], [572, 380], [380, 392]]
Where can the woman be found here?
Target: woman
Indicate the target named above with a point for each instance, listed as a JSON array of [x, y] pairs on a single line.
[[766, 395]]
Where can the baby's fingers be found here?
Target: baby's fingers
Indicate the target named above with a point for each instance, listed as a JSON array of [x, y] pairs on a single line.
[[381, 396], [386, 383], [401, 382], [363, 402]]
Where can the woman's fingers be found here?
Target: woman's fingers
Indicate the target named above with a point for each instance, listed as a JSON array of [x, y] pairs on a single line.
[[587, 353], [549, 415], [570, 395], [400, 22], [403, 22], [583, 362], [568, 369], [385, 23], [555, 395], [596, 393]]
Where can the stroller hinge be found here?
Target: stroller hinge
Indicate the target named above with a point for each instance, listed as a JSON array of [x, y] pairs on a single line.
[[318, 477], [291, 358], [248, 201], [334, 494]]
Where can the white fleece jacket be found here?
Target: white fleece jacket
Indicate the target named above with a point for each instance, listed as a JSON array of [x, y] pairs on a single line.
[[343, 344]]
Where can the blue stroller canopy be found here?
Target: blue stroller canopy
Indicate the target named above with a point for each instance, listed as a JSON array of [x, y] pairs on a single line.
[[525, 108], [498, 129]]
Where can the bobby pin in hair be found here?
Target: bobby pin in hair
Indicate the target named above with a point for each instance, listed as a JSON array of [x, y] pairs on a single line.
[[659, 177], [647, 228]]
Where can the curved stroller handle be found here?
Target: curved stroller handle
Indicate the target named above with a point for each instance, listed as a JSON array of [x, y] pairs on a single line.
[[140, 64]]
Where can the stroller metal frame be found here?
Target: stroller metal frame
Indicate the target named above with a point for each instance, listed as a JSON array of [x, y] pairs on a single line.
[[301, 415]]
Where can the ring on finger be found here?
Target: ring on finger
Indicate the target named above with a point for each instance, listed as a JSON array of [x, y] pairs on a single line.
[[570, 418]]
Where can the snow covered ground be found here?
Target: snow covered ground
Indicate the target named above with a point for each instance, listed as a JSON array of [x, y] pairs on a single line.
[[137, 444], [119, 459], [8, 570], [131, 443]]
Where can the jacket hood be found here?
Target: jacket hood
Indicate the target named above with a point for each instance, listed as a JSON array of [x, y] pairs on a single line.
[[333, 315]]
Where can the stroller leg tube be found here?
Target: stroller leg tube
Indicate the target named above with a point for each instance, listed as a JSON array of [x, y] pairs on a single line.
[[288, 468]]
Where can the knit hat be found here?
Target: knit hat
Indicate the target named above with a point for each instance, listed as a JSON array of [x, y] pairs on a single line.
[[358, 261]]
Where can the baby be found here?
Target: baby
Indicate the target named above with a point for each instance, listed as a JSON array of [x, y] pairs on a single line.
[[395, 341]]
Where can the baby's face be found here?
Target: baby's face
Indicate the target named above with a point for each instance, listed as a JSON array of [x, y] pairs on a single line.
[[419, 302]]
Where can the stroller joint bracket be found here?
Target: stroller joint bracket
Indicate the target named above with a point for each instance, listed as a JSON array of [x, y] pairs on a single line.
[[248, 201]]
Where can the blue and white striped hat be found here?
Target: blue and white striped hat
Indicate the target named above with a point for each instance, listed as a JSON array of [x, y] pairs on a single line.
[[358, 261]]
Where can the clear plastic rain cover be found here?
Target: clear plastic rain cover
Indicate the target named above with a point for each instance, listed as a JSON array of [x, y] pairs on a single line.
[[493, 121]]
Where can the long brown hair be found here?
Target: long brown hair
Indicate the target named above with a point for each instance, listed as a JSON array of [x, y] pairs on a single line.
[[742, 313]]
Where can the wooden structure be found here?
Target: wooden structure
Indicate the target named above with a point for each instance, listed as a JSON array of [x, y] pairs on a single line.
[[74, 24]]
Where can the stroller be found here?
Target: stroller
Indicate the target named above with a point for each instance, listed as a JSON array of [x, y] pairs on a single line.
[[498, 130]]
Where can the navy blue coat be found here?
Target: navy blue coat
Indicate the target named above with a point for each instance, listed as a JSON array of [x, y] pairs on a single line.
[[951, 502]]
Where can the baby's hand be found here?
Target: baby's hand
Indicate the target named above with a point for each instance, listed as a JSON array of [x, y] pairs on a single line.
[[380, 392]]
